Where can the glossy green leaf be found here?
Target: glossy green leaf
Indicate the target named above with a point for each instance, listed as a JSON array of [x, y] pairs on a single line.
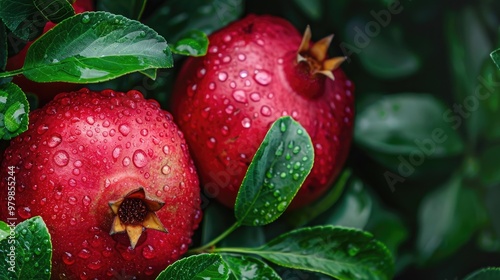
[[197, 267], [340, 252], [14, 110], [22, 18], [132, 9], [448, 217], [3, 46], [312, 8], [98, 46], [27, 255], [307, 213], [411, 134], [54, 10], [353, 209], [193, 43], [491, 273], [4, 230], [382, 51], [278, 169], [176, 17], [248, 268], [495, 55]]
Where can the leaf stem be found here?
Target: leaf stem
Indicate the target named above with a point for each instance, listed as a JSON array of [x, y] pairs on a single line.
[[215, 240], [11, 73]]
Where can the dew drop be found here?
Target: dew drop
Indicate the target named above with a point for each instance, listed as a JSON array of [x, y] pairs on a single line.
[[242, 57], [243, 74], [226, 59], [225, 130], [124, 129], [85, 19], [86, 200], [61, 158], [246, 123], [211, 143], [352, 250], [255, 96], [72, 200], [265, 111], [84, 254], [165, 150], [139, 158], [68, 258], [282, 126], [116, 152], [95, 265], [165, 170], [282, 206], [42, 129], [222, 76], [263, 78], [296, 176], [54, 140], [239, 96], [148, 252], [126, 161], [24, 212], [276, 193], [144, 132]]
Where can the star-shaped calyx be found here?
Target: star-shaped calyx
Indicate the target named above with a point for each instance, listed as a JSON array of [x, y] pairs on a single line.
[[135, 213], [315, 55]]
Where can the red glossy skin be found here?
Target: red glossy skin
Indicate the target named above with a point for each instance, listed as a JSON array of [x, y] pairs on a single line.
[[44, 91], [226, 101], [85, 149]]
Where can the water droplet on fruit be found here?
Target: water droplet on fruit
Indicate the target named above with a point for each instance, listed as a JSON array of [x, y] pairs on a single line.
[[225, 130], [263, 78], [124, 129], [229, 109], [85, 19], [148, 252], [68, 258], [42, 129], [84, 254], [280, 60], [246, 123], [239, 96], [265, 111], [72, 200], [165, 150], [232, 85], [126, 161], [116, 152], [255, 96], [243, 74], [86, 200], [140, 158], [95, 265], [211, 86], [242, 57], [61, 158], [211, 143], [24, 212], [72, 182], [222, 76], [144, 132], [165, 170], [226, 59], [89, 133], [227, 38]]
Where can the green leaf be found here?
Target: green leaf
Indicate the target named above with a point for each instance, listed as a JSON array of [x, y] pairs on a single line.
[[4, 230], [202, 267], [278, 169], [353, 209], [413, 134], [22, 18], [495, 55], [3, 46], [487, 97], [307, 213], [97, 46], [448, 217], [176, 17], [54, 10], [193, 43], [14, 109], [128, 8], [339, 252], [488, 165], [312, 8], [384, 55], [491, 273], [27, 255], [248, 268]]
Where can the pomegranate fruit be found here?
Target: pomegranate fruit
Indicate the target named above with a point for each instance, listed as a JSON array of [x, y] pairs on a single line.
[[256, 70], [111, 176]]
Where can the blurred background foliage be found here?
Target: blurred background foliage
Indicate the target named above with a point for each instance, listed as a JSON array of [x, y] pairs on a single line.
[[423, 174]]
